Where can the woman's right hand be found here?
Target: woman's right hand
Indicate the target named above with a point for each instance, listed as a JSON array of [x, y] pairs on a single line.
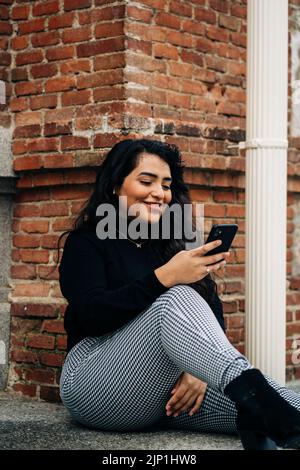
[[189, 266]]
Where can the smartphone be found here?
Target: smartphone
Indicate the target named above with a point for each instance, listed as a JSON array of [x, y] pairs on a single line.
[[224, 232]]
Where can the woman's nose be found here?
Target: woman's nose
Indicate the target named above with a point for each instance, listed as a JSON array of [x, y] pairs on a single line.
[[158, 192]]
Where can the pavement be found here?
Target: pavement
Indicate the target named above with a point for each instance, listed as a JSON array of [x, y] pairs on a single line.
[[27, 424]]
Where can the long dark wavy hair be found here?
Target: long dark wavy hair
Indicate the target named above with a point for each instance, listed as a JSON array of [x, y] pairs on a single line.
[[119, 162]]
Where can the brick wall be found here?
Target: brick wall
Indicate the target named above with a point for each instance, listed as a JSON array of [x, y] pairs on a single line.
[[86, 73]]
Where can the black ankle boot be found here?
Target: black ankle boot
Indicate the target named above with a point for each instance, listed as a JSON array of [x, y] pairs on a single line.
[[265, 420]]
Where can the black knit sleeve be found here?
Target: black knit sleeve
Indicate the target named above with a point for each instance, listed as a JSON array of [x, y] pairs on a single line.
[[97, 309]]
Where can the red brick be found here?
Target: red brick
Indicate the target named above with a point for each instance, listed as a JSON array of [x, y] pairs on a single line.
[[167, 19], [76, 35], [224, 196], [52, 359], [100, 78], [35, 310], [74, 142], [60, 53], [5, 28], [229, 22], [29, 357], [20, 12], [140, 14], [4, 43], [31, 26], [40, 341], [46, 180], [27, 131], [181, 8], [219, 5], [61, 21], [28, 88], [217, 34], [19, 43], [45, 39], [53, 326], [100, 47], [73, 98], [42, 145], [68, 193], [140, 46], [98, 15], [239, 39], [61, 342], [73, 66], [59, 115], [193, 27], [57, 129], [76, 4], [4, 12], [59, 84], [34, 256], [238, 10], [23, 272], [25, 58], [5, 59], [43, 70], [235, 211], [293, 329], [214, 210], [41, 376], [105, 140], [31, 290], [34, 226], [206, 16], [165, 51], [19, 74], [230, 306], [192, 57], [25, 389], [109, 29], [108, 94], [18, 104], [45, 8], [50, 394], [46, 101]]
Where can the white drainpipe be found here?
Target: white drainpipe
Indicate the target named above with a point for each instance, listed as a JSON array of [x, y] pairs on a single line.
[[266, 185]]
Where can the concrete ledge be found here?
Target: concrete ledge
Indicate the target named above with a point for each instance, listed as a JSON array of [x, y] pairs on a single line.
[[38, 425]]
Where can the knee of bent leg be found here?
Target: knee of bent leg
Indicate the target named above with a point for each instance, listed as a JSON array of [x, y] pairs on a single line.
[[180, 295]]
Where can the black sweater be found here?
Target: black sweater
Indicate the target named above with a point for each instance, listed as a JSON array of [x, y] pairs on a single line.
[[107, 283]]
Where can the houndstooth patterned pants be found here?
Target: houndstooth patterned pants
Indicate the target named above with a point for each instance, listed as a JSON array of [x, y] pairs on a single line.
[[122, 381]]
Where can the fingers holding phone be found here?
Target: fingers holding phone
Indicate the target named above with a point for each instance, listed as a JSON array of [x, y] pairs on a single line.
[[189, 266]]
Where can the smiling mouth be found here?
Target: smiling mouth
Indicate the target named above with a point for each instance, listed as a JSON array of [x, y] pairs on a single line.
[[153, 205]]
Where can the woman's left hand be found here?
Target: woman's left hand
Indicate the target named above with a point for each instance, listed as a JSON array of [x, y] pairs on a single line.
[[187, 391]]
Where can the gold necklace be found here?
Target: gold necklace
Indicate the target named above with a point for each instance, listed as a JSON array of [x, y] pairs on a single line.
[[139, 245]]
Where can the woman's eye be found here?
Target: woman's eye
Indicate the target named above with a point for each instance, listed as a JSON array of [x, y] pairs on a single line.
[[149, 182]]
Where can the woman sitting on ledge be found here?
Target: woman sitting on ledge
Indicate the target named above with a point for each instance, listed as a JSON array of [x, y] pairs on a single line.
[[146, 340]]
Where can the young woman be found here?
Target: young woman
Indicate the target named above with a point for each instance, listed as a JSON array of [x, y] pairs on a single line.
[[146, 341]]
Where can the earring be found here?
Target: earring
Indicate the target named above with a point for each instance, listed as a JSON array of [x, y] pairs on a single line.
[[114, 191]]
